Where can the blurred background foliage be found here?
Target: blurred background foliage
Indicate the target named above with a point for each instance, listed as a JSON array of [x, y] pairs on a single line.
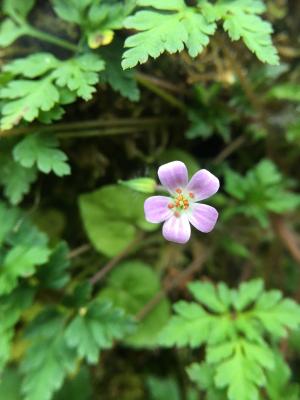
[[94, 92]]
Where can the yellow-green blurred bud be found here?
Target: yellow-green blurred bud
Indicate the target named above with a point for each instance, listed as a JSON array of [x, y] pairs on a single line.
[[144, 185], [82, 311], [100, 38]]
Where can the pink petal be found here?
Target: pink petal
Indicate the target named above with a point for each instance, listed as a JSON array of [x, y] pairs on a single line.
[[203, 185], [203, 217], [173, 175], [177, 229], [156, 209]]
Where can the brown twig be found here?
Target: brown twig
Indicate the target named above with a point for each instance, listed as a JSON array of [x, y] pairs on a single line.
[[114, 261], [287, 236], [79, 251], [194, 267], [228, 150]]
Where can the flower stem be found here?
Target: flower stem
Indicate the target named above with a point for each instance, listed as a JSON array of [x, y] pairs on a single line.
[[47, 37], [195, 266], [115, 261]]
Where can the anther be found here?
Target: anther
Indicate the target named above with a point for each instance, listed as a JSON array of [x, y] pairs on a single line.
[[177, 214], [171, 205], [178, 191], [191, 195]]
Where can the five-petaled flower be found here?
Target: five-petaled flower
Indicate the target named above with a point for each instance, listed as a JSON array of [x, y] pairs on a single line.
[[181, 208]]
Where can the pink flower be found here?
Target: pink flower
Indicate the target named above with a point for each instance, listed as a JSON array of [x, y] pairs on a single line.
[[181, 208]]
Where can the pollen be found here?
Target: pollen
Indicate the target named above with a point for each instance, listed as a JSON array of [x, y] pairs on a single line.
[[180, 202]]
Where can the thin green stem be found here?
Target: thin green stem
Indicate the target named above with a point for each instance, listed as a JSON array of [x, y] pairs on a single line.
[[47, 37], [97, 127], [160, 92], [97, 132]]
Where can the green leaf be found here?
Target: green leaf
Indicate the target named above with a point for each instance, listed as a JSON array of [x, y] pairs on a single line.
[[77, 388], [9, 217], [242, 22], [131, 286], [235, 248], [258, 40], [205, 293], [111, 216], [26, 234], [11, 308], [28, 98], [9, 32], [237, 356], [15, 179], [16, 7], [191, 326], [55, 114], [20, 262], [238, 373], [276, 315], [283, 202], [262, 190], [79, 74], [293, 132], [163, 389], [5, 346], [203, 376], [95, 328], [94, 19], [48, 359], [120, 80], [242, 371], [235, 184], [41, 150], [10, 385], [55, 275], [71, 10], [161, 31], [106, 17], [247, 293], [167, 5], [32, 66], [278, 381], [286, 91]]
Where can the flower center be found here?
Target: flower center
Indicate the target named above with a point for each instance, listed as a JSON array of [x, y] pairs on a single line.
[[180, 202]]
